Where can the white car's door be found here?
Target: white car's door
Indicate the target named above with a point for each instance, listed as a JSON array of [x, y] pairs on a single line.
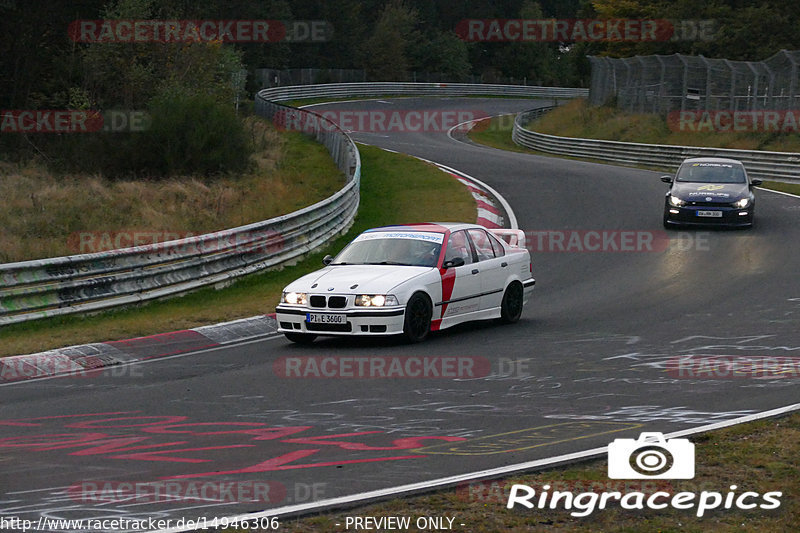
[[493, 267], [465, 295]]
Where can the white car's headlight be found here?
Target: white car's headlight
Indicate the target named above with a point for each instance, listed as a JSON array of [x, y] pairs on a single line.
[[376, 300], [744, 202], [677, 202], [296, 298]]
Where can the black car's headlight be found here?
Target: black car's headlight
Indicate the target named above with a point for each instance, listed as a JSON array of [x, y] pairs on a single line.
[[677, 202], [295, 298], [376, 300], [744, 202]]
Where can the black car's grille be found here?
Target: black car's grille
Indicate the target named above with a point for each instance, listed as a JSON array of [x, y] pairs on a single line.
[[317, 301], [710, 204]]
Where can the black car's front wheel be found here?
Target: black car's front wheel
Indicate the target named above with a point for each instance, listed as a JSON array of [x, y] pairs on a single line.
[[417, 322]]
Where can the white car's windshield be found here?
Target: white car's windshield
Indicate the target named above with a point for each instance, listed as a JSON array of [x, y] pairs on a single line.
[[390, 251], [711, 173]]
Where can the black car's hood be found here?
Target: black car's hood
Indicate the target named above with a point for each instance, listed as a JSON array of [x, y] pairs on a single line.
[[710, 192]]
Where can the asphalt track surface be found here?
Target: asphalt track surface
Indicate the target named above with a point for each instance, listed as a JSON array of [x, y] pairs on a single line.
[[589, 362]]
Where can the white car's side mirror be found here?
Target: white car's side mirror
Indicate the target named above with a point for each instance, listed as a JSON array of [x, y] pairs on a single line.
[[455, 262]]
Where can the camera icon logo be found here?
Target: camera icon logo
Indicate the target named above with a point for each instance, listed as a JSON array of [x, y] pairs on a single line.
[[651, 457]]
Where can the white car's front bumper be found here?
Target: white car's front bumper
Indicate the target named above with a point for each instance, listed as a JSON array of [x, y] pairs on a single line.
[[370, 321]]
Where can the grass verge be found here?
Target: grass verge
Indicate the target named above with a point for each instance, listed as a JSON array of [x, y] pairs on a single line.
[[395, 189], [758, 456], [791, 188], [579, 119], [496, 133]]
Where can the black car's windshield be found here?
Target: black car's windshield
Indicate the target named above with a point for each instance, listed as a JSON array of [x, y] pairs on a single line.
[[390, 251], [711, 173]]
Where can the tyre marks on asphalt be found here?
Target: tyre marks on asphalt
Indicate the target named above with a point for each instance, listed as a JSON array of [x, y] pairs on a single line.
[[526, 439]]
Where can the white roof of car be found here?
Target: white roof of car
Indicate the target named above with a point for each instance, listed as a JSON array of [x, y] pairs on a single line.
[[440, 227]]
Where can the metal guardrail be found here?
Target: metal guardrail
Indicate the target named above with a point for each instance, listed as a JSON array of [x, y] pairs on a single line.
[[36, 289], [42, 288], [345, 90], [778, 166]]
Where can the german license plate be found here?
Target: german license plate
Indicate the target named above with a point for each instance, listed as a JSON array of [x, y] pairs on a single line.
[[319, 318], [711, 214]]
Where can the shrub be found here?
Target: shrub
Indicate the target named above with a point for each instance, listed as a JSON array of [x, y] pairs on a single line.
[[191, 133]]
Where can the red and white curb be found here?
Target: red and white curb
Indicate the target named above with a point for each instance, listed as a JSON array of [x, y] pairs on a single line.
[[91, 359], [491, 201], [489, 215]]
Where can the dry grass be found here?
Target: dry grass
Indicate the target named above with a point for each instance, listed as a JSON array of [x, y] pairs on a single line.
[[43, 215]]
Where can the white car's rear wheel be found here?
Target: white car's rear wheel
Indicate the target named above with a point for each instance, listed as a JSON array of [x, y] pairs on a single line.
[[511, 308]]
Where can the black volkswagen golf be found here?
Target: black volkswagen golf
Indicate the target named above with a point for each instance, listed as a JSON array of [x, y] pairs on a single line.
[[709, 191]]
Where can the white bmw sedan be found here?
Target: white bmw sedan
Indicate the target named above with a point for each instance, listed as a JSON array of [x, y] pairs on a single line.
[[411, 280]]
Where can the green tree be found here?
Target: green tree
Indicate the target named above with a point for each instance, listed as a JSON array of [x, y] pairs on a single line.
[[188, 89], [744, 29], [128, 75], [191, 133], [447, 54], [529, 60], [387, 51]]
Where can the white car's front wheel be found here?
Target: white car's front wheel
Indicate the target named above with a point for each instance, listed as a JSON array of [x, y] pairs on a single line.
[[417, 323]]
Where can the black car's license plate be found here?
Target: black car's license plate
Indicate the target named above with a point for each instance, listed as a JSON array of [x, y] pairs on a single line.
[[710, 214]]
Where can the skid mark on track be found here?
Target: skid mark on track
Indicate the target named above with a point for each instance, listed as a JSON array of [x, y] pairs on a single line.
[[525, 439]]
